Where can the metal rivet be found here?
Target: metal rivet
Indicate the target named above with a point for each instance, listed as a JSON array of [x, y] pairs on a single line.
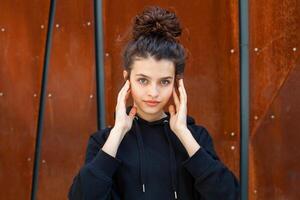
[[57, 25], [88, 23], [49, 95], [272, 116], [44, 161], [1, 94], [294, 49], [232, 133], [232, 147], [34, 95], [91, 96], [28, 159], [256, 117], [107, 54], [232, 51], [255, 191], [2, 29], [255, 49], [42, 26]]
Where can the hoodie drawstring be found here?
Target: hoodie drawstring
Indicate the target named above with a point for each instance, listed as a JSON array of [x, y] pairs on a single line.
[[172, 160], [141, 154], [173, 169]]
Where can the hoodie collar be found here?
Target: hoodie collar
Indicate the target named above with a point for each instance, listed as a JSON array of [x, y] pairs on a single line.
[[190, 120]]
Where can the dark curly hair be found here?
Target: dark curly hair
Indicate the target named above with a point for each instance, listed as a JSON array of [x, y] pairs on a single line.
[[155, 33]]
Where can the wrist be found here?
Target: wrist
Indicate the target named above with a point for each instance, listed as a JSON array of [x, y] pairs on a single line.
[[188, 141], [119, 129], [182, 131]]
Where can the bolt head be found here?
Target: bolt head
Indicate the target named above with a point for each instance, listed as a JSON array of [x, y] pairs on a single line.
[[272, 116]]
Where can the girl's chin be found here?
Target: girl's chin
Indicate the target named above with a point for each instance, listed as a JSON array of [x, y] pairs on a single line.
[[151, 109]]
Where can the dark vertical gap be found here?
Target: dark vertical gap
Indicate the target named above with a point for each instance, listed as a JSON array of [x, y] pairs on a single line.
[[100, 85], [42, 100], [244, 63]]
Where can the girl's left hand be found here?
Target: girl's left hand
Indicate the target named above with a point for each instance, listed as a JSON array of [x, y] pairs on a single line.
[[178, 116]]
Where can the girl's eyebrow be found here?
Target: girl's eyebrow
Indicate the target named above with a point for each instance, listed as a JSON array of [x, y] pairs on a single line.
[[143, 75]]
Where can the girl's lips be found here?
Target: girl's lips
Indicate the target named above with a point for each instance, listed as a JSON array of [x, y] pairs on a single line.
[[151, 103]]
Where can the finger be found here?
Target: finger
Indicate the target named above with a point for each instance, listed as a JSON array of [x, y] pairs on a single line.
[[181, 92], [171, 110], [127, 94], [132, 112], [123, 91], [176, 99], [183, 88]]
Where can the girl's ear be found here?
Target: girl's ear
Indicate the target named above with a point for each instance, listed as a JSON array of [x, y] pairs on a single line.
[[125, 75]]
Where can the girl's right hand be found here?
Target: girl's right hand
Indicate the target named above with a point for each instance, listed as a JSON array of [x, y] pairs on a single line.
[[123, 122]]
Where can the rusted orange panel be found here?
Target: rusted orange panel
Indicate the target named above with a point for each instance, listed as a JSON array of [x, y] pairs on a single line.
[[274, 119], [275, 163], [211, 35], [70, 115], [22, 40]]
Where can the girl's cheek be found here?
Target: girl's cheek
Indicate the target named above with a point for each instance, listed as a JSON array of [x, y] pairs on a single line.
[[168, 93], [134, 93]]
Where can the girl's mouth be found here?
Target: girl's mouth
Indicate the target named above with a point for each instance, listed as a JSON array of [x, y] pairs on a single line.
[[152, 103]]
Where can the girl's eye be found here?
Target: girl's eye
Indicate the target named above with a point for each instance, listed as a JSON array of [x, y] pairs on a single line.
[[165, 82], [142, 81]]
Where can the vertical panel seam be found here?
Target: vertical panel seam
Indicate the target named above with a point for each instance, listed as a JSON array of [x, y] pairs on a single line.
[[42, 100], [100, 83]]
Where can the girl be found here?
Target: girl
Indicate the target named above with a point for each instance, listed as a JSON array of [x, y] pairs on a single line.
[[152, 154]]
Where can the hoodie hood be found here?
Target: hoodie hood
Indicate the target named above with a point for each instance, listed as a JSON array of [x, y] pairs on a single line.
[[167, 132]]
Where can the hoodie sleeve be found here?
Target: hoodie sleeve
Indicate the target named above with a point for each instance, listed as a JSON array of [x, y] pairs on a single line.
[[213, 180], [94, 179]]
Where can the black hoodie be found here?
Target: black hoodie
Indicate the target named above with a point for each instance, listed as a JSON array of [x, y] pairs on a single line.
[[152, 164]]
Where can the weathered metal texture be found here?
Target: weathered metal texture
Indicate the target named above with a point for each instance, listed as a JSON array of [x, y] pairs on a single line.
[[275, 95], [23, 33], [211, 35], [70, 113]]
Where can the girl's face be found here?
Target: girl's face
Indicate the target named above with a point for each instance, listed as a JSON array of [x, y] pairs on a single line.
[[151, 83]]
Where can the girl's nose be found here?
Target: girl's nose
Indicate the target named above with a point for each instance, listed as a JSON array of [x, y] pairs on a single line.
[[153, 91]]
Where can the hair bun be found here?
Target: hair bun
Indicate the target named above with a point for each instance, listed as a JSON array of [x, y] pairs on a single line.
[[156, 21]]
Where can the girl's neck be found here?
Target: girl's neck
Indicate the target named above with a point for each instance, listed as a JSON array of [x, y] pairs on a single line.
[[151, 117]]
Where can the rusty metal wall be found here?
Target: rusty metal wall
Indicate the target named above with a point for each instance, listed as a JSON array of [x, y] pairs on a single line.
[[23, 30], [211, 35], [70, 115], [212, 72], [274, 168]]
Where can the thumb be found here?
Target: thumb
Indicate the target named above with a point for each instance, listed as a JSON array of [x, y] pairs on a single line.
[[132, 112], [171, 110]]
